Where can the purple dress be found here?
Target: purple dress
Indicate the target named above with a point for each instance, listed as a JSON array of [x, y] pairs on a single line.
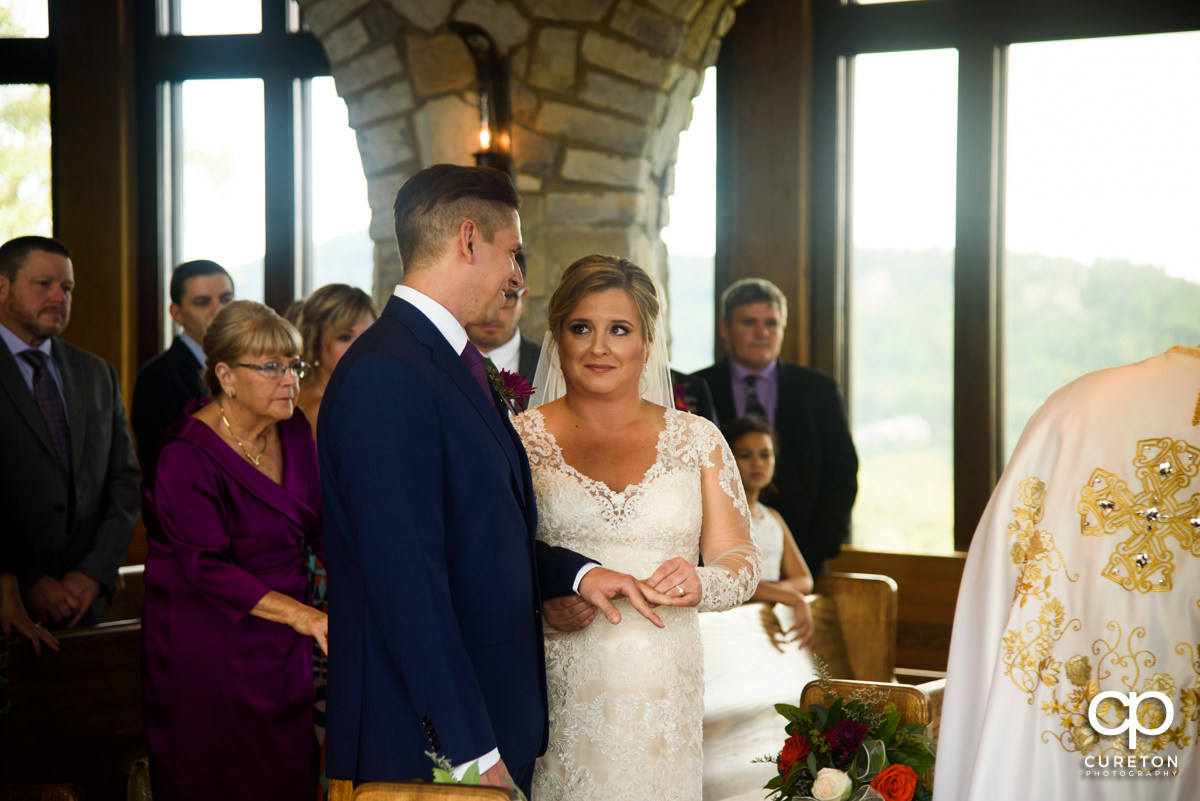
[[228, 696]]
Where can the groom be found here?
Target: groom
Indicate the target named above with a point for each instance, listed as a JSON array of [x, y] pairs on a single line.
[[435, 580]]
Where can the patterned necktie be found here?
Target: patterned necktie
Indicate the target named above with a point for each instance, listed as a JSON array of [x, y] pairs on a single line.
[[45, 392], [474, 361], [754, 407]]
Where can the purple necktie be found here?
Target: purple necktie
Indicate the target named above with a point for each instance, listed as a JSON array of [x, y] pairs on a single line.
[[754, 407], [45, 392], [474, 361]]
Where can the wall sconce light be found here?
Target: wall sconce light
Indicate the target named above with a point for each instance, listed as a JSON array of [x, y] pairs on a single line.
[[495, 107]]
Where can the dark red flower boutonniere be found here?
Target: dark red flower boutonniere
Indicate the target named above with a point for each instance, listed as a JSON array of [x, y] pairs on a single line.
[[512, 387]]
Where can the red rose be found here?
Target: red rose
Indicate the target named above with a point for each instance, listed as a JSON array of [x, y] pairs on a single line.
[[896, 783], [795, 748]]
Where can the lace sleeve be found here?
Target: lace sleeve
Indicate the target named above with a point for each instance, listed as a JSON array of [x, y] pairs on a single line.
[[731, 559]]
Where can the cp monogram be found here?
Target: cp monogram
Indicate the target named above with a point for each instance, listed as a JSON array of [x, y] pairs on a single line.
[[1131, 722]]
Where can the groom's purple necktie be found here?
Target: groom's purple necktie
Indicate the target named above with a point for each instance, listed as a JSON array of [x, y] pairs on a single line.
[[474, 361]]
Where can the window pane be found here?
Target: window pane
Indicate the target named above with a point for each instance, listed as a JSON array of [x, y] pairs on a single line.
[[24, 19], [690, 237], [342, 249], [222, 195], [25, 161], [902, 298], [207, 17], [1101, 210]]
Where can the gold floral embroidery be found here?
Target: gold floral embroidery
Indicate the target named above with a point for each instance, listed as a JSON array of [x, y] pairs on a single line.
[[1107, 504], [1120, 663], [1030, 662], [1033, 549]]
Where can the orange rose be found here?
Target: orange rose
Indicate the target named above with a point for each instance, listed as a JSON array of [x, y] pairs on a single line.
[[896, 783], [795, 748]]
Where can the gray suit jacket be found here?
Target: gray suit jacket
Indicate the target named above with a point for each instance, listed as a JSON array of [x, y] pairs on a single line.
[[47, 528]]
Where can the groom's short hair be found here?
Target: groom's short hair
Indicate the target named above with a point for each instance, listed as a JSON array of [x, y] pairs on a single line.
[[432, 205]]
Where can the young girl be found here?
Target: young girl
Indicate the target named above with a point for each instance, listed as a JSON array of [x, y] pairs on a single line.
[[784, 578]]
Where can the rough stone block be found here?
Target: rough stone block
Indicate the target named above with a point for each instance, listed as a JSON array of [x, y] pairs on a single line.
[[700, 32], [532, 152], [382, 188], [389, 100], [427, 14], [552, 62], [381, 21], [572, 10], [564, 244], [439, 64], [586, 125], [675, 120], [679, 9], [384, 146], [633, 99], [527, 183], [525, 103], [322, 15], [383, 227], [506, 24], [372, 67], [596, 208], [626, 59], [345, 41], [647, 26], [447, 131], [595, 167]]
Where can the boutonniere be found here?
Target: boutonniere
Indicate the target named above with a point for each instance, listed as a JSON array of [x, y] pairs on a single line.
[[512, 387]]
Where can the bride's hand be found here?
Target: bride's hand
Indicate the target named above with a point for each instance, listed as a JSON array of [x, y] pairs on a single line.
[[677, 579]]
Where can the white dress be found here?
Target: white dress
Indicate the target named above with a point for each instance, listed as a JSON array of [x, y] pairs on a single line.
[[626, 701], [768, 536]]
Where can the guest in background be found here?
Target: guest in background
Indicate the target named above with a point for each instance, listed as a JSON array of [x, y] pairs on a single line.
[[329, 321], [68, 476], [227, 651], [817, 470], [785, 578], [502, 341], [165, 384]]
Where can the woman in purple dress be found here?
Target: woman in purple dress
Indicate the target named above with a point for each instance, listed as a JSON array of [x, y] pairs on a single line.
[[228, 657]]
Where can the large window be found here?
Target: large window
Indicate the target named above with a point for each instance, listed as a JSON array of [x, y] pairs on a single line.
[[1013, 205], [256, 165], [25, 196]]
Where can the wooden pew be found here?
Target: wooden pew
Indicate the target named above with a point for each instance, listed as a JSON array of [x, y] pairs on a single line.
[[75, 716]]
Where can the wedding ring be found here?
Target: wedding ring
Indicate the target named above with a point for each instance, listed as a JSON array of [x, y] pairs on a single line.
[[681, 592]]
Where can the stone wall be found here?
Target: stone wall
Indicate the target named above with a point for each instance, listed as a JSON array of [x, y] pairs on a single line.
[[601, 90]]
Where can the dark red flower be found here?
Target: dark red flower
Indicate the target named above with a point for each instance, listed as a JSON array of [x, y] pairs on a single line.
[[795, 748], [846, 736], [681, 401]]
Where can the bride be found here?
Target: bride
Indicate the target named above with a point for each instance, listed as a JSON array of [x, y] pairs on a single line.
[[621, 475]]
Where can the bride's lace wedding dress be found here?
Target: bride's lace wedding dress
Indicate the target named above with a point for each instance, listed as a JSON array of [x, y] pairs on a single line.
[[627, 701]]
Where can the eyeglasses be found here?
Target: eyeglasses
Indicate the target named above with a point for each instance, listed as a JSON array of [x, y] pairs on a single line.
[[512, 296], [277, 370]]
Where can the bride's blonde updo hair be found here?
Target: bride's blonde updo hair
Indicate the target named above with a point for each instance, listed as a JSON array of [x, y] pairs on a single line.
[[597, 273]]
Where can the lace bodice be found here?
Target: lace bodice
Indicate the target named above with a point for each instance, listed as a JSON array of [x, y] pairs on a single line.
[[768, 536], [661, 516]]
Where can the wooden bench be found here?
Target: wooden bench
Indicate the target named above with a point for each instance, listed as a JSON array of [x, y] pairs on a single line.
[[75, 715]]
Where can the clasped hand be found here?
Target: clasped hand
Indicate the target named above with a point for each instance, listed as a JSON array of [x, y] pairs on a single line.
[[674, 583]]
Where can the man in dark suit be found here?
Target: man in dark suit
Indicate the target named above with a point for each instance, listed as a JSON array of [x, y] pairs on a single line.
[[165, 384], [68, 479], [502, 340], [816, 467], [435, 580]]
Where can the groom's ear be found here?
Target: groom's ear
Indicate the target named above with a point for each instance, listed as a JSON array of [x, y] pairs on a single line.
[[464, 242]]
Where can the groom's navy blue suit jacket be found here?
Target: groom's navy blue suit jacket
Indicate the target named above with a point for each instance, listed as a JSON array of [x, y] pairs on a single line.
[[435, 639]]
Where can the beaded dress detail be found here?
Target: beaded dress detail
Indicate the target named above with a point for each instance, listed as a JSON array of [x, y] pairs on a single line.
[[627, 701]]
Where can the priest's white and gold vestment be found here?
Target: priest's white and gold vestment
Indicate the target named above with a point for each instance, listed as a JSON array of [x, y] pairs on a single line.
[[1083, 580]]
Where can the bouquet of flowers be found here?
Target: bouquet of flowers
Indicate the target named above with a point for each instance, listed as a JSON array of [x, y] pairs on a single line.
[[849, 751]]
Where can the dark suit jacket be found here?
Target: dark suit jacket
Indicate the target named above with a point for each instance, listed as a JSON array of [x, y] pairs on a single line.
[[530, 353], [165, 384], [816, 468], [433, 579], [47, 529]]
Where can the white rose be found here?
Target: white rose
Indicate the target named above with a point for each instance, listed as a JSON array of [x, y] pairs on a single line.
[[832, 785]]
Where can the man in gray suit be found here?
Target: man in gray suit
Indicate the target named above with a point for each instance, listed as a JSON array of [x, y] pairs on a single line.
[[68, 479]]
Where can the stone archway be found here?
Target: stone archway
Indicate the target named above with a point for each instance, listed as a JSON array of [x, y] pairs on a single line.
[[601, 90]]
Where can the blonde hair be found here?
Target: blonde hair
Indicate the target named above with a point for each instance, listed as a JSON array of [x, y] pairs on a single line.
[[245, 328], [597, 273], [330, 309]]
